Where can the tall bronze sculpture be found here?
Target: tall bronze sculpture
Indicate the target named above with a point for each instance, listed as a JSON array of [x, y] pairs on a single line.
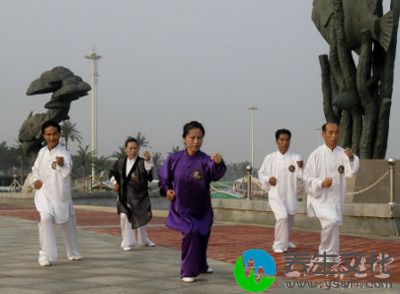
[[358, 97], [65, 87]]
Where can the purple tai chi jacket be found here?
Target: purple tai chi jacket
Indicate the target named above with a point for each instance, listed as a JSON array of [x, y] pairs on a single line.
[[190, 177]]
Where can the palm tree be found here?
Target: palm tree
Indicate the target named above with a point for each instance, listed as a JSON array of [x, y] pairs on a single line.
[[157, 161], [102, 163], [19, 154], [142, 141], [4, 156], [174, 149], [83, 161], [69, 132], [11, 157], [120, 153]]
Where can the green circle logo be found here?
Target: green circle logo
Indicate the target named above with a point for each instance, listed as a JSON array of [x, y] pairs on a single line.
[[255, 270]]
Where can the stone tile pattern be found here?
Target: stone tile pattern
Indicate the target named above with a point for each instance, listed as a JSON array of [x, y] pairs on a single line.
[[228, 240]]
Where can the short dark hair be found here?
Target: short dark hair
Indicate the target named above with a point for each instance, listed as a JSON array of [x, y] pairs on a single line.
[[51, 123], [192, 125], [282, 132], [323, 128], [130, 140]]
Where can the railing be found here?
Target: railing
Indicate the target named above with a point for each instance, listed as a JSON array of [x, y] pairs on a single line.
[[241, 188], [89, 184]]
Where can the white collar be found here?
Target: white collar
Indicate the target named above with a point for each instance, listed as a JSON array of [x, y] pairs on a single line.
[[131, 160]]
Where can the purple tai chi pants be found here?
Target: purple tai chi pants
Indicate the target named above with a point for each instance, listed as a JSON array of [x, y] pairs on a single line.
[[194, 254]]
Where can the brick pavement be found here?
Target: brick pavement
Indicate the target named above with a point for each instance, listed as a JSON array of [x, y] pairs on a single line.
[[228, 240]]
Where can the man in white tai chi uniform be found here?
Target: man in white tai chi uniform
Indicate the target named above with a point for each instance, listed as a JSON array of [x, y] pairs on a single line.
[[51, 177], [279, 174], [325, 176]]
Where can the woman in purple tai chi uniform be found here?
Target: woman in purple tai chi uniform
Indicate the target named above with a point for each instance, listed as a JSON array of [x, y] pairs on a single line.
[[185, 179]]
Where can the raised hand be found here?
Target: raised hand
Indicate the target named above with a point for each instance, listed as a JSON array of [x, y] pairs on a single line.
[[171, 195], [38, 184], [217, 158], [146, 155], [60, 161], [300, 164], [349, 153], [272, 181], [326, 183]]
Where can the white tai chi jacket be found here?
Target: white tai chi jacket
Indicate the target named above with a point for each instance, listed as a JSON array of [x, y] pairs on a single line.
[[54, 197], [283, 196], [327, 203]]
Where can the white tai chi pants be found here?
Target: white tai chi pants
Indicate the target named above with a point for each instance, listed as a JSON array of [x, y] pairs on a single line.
[[329, 237], [47, 237], [132, 237], [283, 227]]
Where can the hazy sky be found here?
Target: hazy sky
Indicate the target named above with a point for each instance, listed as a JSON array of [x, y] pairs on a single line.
[[166, 62]]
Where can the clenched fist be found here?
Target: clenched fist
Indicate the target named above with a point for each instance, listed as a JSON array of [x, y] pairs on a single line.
[[217, 158], [146, 155], [60, 161], [38, 184], [326, 183], [272, 181], [171, 194], [349, 153]]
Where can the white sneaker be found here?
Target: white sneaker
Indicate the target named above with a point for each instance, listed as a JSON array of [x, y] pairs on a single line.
[[318, 259], [127, 248], [278, 250], [75, 258], [209, 270], [188, 279], [291, 245], [43, 261], [333, 259], [150, 244]]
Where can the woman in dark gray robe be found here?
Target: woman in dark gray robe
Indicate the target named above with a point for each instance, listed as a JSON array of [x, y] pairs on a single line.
[[131, 175]]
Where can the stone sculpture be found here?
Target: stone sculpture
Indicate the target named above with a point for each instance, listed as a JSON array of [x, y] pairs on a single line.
[[65, 87], [358, 97]]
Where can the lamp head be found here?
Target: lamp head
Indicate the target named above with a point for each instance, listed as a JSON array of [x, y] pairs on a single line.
[[391, 161]]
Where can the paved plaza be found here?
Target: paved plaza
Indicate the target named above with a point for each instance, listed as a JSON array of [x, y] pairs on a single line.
[[107, 269]]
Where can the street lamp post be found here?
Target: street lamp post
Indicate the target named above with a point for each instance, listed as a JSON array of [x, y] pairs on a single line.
[[250, 168], [94, 57], [252, 109], [391, 162]]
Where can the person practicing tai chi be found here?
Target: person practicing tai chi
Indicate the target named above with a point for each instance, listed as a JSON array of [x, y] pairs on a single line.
[[279, 175], [130, 177], [185, 179], [51, 178], [325, 177]]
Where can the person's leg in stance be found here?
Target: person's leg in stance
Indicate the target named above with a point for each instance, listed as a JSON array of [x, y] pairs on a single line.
[[281, 235], [191, 256], [143, 238], [204, 268], [47, 238], [70, 239], [290, 225], [330, 239], [127, 233]]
